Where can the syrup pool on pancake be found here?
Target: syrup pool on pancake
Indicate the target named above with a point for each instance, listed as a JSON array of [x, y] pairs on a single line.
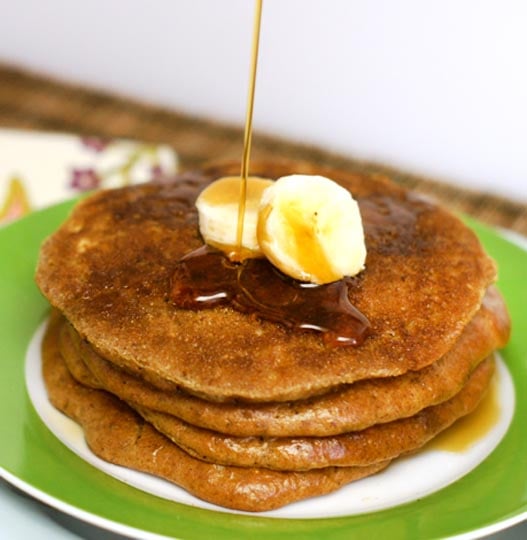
[[309, 227]]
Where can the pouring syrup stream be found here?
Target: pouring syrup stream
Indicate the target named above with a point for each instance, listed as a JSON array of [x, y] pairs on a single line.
[[237, 255]]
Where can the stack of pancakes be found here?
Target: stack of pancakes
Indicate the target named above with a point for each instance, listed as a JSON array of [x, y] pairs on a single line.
[[244, 412]]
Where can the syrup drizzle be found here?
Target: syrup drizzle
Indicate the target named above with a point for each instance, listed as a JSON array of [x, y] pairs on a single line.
[[237, 254], [473, 427]]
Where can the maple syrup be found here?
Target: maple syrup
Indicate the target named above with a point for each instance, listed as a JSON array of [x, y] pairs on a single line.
[[244, 173], [473, 427], [206, 278]]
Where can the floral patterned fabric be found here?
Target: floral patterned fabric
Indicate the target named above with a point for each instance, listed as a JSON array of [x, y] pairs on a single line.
[[38, 169]]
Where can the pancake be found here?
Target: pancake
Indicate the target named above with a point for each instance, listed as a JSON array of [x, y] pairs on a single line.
[[118, 435], [360, 448], [243, 411], [352, 408], [109, 270], [68, 350], [376, 444]]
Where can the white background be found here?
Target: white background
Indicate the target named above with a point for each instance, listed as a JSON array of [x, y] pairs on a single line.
[[436, 87]]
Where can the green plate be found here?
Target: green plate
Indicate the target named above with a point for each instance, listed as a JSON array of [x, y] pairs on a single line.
[[491, 497]]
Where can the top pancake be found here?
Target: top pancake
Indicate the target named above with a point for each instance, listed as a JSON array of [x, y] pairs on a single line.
[[109, 267]]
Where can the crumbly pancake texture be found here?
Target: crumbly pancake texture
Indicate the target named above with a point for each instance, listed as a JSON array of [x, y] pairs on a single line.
[[351, 408], [109, 270], [118, 435]]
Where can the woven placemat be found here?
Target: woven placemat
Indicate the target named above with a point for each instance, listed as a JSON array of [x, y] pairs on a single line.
[[31, 101]]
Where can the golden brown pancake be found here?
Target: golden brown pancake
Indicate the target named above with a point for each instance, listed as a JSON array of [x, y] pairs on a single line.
[[379, 442], [109, 268], [351, 408], [118, 435], [246, 412], [69, 352], [375, 444]]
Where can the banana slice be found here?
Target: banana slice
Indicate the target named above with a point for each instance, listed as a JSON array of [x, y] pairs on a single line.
[[311, 229], [217, 208]]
